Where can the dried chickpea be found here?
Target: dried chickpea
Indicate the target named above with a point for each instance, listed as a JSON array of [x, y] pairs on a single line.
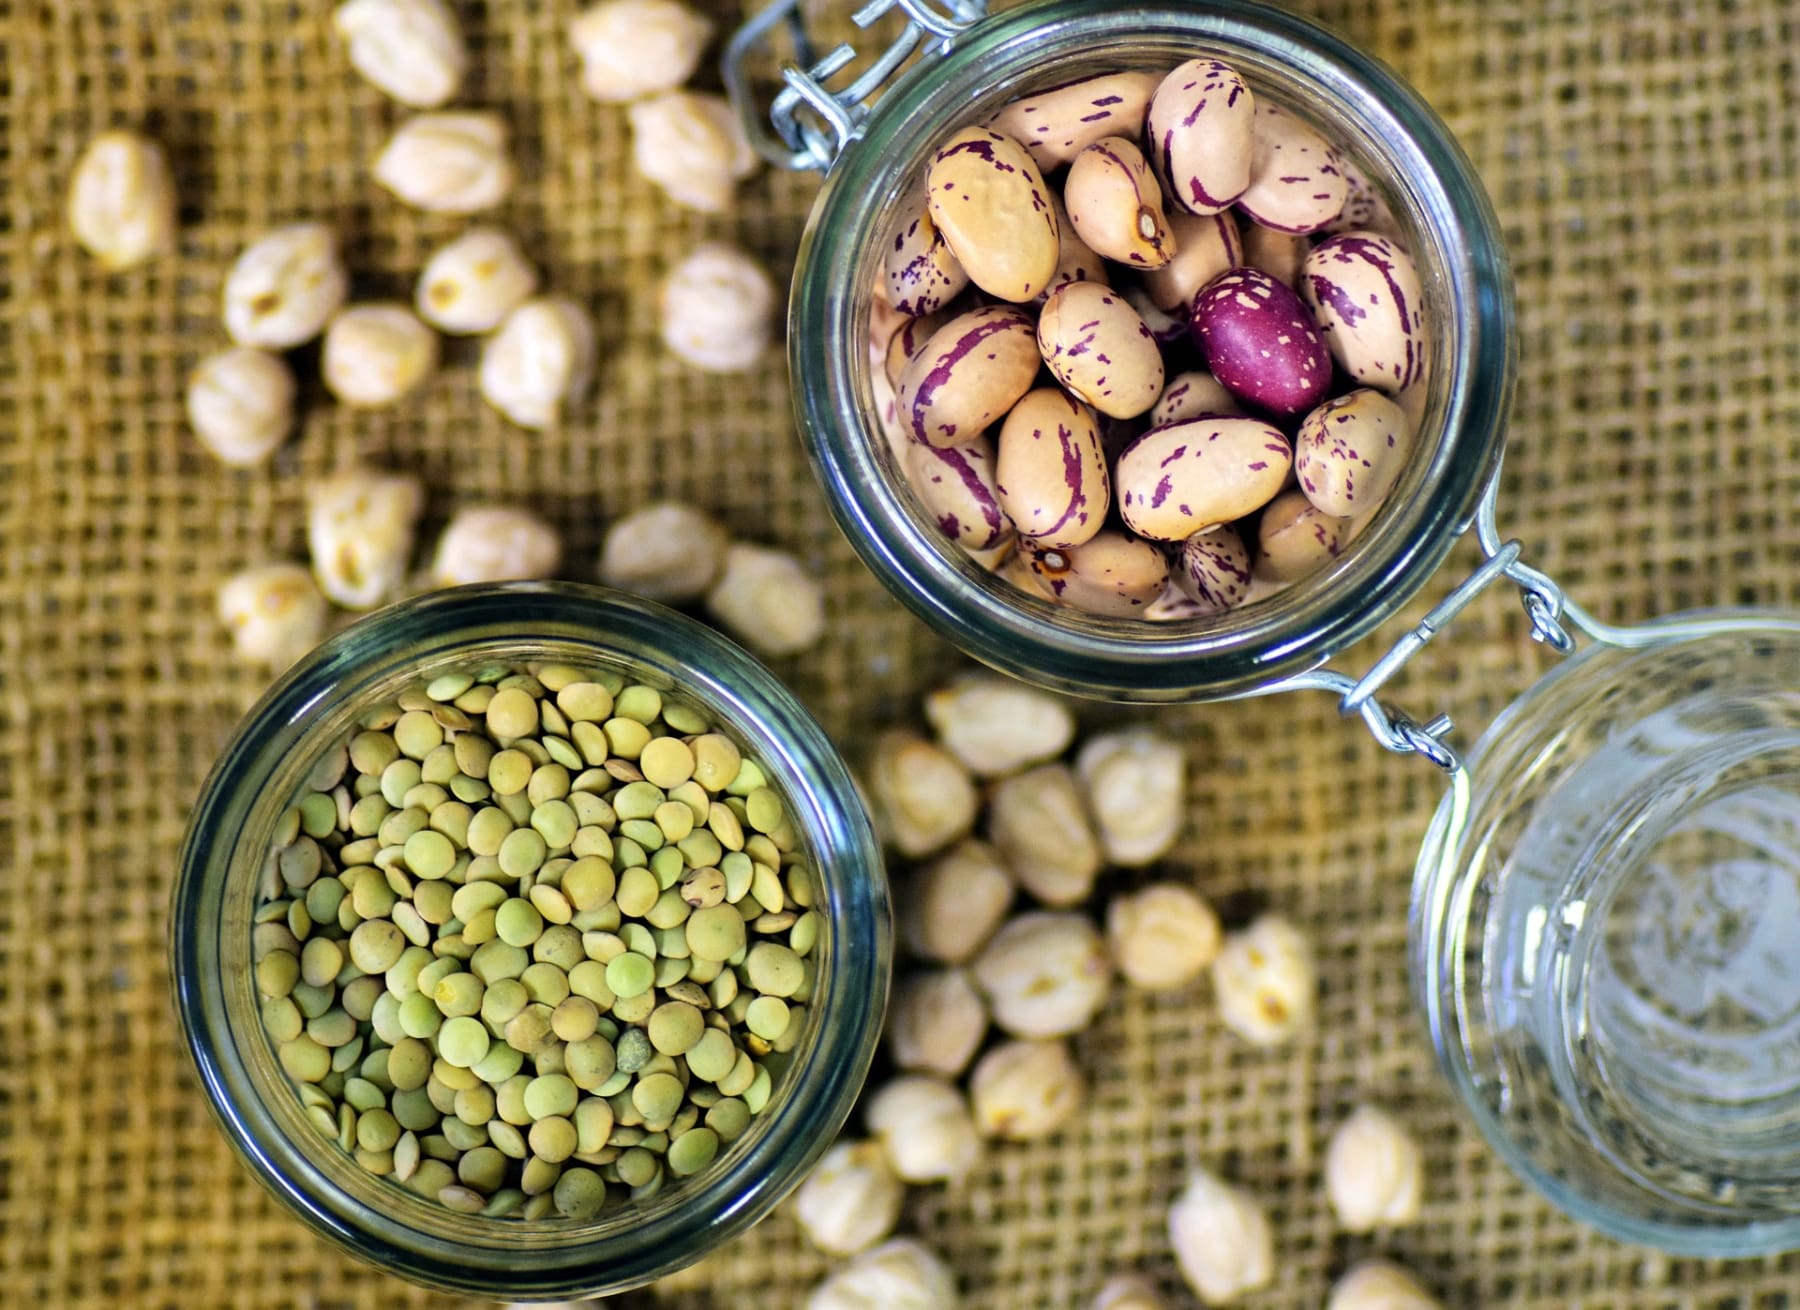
[[377, 353], [1162, 936], [900, 1275], [1135, 784], [717, 305], [1221, 1239], [666, 551], [1379, 1285], [766, 599], [359, 528], [474, 282], [540, 361], [1265, 981], [274, 613], [936, 1022], [923, 797], [448, 163], [285, 287], [410, 50], [1040, 826], [995, 726], [1129, 1292], [1045, 974], [240, 403], [949, 907], [495, 543], [122, 201], [1025, 1089], [632, 48], [851, 1200], [1374, 1171], [925, 1125], [692, 145]]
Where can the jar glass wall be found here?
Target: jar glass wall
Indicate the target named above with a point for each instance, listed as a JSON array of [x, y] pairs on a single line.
[[1383, 128], [1604, 927], [314, 706]]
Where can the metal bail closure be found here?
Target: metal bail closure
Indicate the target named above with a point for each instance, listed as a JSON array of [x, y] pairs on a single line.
[[1544, 603], [812, 123]]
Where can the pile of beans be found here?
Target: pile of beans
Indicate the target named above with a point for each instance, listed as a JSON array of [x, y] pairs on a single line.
[[1146, 346], [533, 942]]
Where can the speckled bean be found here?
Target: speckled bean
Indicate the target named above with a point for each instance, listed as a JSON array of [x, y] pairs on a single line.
[[1113, 574], [1296, 175], [1098, 347], [957, 486], [1294, 537], [1185, 478], [908, 339], [990, 203], [1174, 606], [1057, 124], [1214, 568], [1364, 294], [1279, 254], [1116, 205], [1191, 395], [973, 370], [1364, 209], [1052, 476], [923, 274], [1349, 452], [1204, 248], [1168, 327], [1260, 341], [1074, 261], [1201, 132]]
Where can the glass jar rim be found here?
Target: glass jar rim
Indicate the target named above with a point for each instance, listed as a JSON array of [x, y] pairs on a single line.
[[1442, 890], [1244, 650], [747, 697]]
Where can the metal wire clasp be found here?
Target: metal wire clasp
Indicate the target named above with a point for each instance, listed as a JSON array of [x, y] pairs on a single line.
[[1544, 603], [812, 122]]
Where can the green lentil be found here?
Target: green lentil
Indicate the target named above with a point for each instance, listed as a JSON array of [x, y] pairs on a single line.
[[555, 867]]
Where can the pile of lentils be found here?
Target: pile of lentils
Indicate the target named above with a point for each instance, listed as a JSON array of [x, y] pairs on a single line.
[[1113, 364], [535, 940]]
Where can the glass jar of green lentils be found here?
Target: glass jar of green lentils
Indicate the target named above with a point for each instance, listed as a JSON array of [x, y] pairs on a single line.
[[571, 1007]]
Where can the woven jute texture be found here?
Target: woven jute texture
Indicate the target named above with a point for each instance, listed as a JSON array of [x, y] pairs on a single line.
[[1645, 159]]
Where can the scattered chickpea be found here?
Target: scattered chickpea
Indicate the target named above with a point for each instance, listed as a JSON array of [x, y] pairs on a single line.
[[1045, 974], [410, 50], [1135, 783], [1374, 1171], [936, 1021], [495, 543], [448, 163], [359, 528], [274, 613], [1266, 981], [377, 353], [717, 306], [1379, 1285], [996, 726], [1221, 1240], [1162, 937], [925, 1125], [851, 1200], [1040, 826], [666, 551], [692, 145], [948, 908], [923, 798], [240, 403], [767, 599], [901, 1275], [540, 362], [632, 48], [285, 287], [1026, 1089], [474, 282], [122, 202]]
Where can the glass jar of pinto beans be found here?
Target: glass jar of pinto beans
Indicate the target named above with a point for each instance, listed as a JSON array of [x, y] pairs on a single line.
[[1107, 327], [1109, 599], [473, 987]]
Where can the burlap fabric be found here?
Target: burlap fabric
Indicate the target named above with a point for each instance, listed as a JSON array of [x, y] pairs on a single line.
[[1645, 161]]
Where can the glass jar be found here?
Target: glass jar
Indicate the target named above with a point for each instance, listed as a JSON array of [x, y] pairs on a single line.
[[231, 831], [1383, 128], [1606, 934]]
